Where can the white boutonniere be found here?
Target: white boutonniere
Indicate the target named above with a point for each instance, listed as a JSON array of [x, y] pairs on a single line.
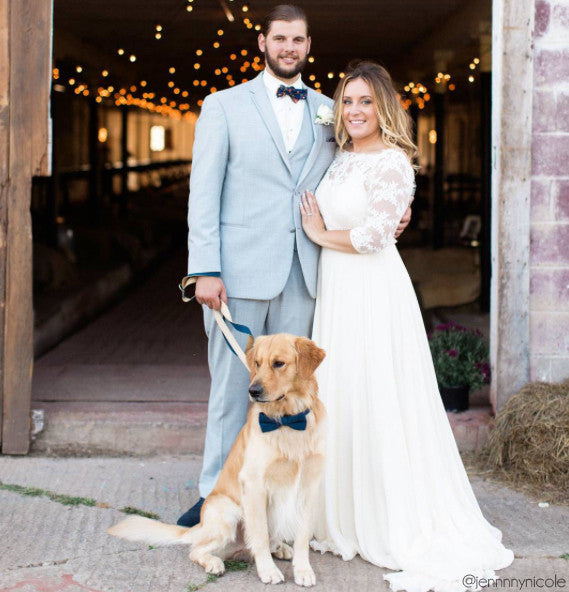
[[324, 115]]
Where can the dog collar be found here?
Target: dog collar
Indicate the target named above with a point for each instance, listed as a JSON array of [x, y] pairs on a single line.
[[296, 422]]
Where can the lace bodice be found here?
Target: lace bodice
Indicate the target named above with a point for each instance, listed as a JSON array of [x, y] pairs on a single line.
[[366, 193]]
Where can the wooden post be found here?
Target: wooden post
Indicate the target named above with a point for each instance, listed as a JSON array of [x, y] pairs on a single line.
[[124, 158], [25, 76], [512, 110], [439, 180], [94, 172]]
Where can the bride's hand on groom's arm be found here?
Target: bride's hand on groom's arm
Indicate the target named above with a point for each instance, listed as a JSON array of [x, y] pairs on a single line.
[[312, 221], [315, 229]]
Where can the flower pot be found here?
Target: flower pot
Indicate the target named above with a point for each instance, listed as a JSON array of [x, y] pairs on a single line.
[[455, 398]]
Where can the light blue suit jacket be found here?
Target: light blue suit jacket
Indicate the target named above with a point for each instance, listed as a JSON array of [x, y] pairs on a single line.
[[244, 210]]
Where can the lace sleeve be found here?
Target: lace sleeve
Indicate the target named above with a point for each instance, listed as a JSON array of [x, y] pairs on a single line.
[[389, 184]]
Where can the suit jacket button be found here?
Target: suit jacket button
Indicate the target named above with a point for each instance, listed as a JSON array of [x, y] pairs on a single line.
[[292, 230]]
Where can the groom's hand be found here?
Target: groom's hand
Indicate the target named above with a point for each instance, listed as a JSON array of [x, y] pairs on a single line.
[[210, 291], [404, 222]]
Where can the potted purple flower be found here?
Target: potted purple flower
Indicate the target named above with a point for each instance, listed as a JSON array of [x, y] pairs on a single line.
[[460, 357]]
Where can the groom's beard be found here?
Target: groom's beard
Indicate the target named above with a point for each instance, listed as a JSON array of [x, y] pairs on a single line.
[[281, 72]]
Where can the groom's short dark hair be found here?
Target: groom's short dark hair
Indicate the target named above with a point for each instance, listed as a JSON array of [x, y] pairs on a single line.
[[284, 12]]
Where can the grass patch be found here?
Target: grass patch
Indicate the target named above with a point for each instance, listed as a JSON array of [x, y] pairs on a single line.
[[131, 510], [564, 556], [70, 500], [66, 500], [232, 565], [193, 587]]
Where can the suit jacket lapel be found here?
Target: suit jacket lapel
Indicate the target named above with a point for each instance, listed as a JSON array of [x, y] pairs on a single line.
[[261, 101], [317, 131]]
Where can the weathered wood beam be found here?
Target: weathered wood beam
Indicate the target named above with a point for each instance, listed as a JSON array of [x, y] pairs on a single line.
[[24, 105]]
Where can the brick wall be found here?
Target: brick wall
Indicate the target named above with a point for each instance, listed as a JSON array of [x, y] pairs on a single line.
[[549, 251]]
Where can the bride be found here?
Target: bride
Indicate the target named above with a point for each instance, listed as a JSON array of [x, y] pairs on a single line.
[[394, 490]]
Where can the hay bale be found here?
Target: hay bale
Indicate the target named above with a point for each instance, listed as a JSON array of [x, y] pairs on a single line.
[[529, 444]]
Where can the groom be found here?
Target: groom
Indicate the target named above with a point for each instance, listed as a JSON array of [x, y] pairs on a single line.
[[257, 149]]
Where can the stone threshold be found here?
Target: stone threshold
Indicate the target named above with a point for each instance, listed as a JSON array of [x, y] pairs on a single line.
[[146, 428]]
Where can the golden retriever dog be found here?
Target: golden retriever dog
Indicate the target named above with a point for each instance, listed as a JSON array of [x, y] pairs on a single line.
[[266, 490]]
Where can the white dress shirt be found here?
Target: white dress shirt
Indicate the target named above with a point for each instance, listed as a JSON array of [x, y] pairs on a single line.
[[289, 114]]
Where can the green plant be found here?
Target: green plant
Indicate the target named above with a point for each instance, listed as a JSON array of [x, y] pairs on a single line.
[[460, 356]]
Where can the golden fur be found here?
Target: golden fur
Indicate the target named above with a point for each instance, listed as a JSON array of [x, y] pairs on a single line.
[[266, 490]]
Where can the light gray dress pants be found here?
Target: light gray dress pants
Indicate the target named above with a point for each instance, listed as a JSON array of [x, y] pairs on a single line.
[[292, 311]]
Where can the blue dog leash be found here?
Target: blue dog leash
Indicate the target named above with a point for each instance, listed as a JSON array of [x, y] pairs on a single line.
[[222, 317]]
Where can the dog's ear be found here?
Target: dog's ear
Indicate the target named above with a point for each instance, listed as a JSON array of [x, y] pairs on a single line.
[[250, 352], [309, 356]]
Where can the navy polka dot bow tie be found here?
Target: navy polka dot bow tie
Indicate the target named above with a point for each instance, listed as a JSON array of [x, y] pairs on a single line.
[[296, 422], [296, 94]]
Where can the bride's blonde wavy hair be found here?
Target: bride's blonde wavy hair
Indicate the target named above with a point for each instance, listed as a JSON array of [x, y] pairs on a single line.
[[394, 122]]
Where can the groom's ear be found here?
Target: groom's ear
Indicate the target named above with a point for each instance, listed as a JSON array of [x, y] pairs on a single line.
[[261, 40]]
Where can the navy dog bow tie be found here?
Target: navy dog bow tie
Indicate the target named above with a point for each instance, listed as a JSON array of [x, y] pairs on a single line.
[[296, 94], [296, 422]]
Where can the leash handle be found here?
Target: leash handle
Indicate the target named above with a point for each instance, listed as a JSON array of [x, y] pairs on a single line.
[[220, 316]]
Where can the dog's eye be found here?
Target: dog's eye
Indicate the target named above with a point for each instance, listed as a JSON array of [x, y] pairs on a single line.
[[257, 365], [278, 364]]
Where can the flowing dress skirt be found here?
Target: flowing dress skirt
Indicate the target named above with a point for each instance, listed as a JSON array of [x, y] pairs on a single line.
[[395, 490]]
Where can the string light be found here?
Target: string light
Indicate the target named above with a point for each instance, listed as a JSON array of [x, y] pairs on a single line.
[[132, 58], [79, 69], [120, 51], [105, 73], [172, 70], [415, 93]]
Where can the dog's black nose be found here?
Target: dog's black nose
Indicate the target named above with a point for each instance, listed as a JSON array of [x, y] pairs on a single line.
[[255, 390]]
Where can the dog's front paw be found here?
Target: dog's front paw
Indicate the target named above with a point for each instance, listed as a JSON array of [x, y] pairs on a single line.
[[304, 576], [270, 574], [282, 551], [214, 565]]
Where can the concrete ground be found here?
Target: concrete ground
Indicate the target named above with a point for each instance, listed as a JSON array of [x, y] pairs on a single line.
[[48, 545]]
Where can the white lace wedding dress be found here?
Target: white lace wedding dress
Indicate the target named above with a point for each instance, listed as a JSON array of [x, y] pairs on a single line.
[[395, 490]]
